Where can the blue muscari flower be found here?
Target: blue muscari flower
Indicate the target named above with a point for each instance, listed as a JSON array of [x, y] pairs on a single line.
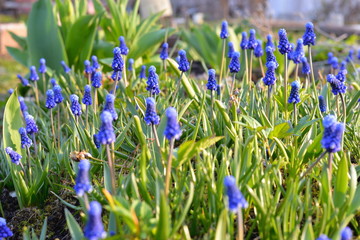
[[341, 75], [83, 184], [88, 68], [5, 231], [350, 57], [123, 48], [26, 142], [346, 234], [330, 56], [23, 80], [218, 89], [96, 79], [322, 104], [118, 62], [305, 66], [211, 85], [234, 64], [244, 41], [323, 237], [270, 57], [172, 129], [358, 56], [224, 30], [116, 75], [109, 106], [334, 63], [65, 67], [292, 50], [10, 91], [177, 59], [270, 42], [42, 67], [230, 49], [298, 52], [130, 64], [53, 82], [284, 44], [150, 114], [106, 133], [142, 72], [252, 43], [33, 74], [58, 97], [294, 93], [87, 99], [94, 228], [153, 81], [336, 85], [184, 65], [31, 126], [14, 156], [96, 141], [343, 65], [332, 136], [75, 105], [50, 100], [164, 51], [270, 77], [22, 103], [258, 52], [95, 64], [309, 36], [235, 197]]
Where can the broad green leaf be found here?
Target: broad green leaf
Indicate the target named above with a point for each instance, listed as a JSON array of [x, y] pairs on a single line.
[[19, 55], [74, 228], [280, 131], [164, 224], [220, 233], [341, 183]]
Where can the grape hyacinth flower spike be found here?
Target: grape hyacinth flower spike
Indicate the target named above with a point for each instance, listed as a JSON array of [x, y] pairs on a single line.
[[236, 202], [87, 100], [23, 80], [341, 75], [269, 80], [130, 64], [96, 79], [94, 63], [58, 97], [53, 82], [309, 36], [184, 65], [65, 67], [350, 56], [83, 184], [50, 104], [298, 54], [153, 82], [346, 234], [10, 91], [270, 42], [151, 118], [234, 67], [230, 49], [211, 85], [224, 33], [337, 87], [106, 136], [252, 44], [294, 97], [123, 48], [164, 51], [109, 106], [5, 231], [305, 66], [117, 65], [23, 106], [270, 57], [322, 104], [14, 156], [172, 132], [334, 63], [42, 71], [31, 126], [243, 46], [88, 70], [25, 140], [258, 52], [330, 56], [75, 106], [142, 74], [94, 228], [34, 78]]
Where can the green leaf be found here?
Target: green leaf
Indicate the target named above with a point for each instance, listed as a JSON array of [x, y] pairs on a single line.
[[163, 226], [74, 228], [280, 131], [308, 232], [43, 230], [44, 39], [19, 55], [341, 183], [220, 233], [21, 41]]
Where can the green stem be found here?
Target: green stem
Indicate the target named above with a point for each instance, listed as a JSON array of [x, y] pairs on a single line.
[[313, 79], [222, 61], [250, 68], [155, 135], [313, 165], [168, 167], [112, 170], [240, 225], [246, 67]]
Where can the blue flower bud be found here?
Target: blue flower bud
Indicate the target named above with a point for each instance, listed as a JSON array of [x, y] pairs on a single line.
[[10, 91], [116, 75], [172, 129], [330, 56], [31, 126], [65, 67], [252, 40], [94, 228], [234, 64], [26, 142], [294, 93], [258, 52], [88, 68], [322, 104], [5, 231], [270, 76], [218, 89], [106, 133], [224, 31], [270, 57], [83, 184], [284, 44], [75, 105], [22, 103], [323, 237], [142, 72], [130, 64], [58, 97], [270, 42], [118, 62], [23, 80], [299, 52], [50, 100], [123, 48], [211, 85], [153, 81], [336, 85], [230, 49], [350, 57], [334, 63], [96, 141], [332, 136], [87, 99], [235, 197], [109, 106], [14, 156], [42, 67], [305, 66], [184, 65], [33, 74], [309, 35], [346, 234], [150, 115], [95, 64], [164, 51], [244, 41], [96, 78], [53, 82]]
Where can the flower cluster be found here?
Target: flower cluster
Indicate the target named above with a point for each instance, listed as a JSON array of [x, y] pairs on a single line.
[[234, 64], [294, 94], [26, 142], [75, 105], [87, 99], [211, 85], [230, 49], [106, 133], [153, 81], [224, 30], [184, 64], [109, 106], [309, 36], [5, 231], [235, 198], [150, 115], [50, 99], [164, 51], [284, 44], [332, 136], [14, 156], [244, 41], [322, 104], [252, 43], [83, 184], [336, 85], [270, 77], [172, 130]]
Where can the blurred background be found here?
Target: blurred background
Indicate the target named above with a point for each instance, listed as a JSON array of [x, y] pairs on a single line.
[[332, 18]]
